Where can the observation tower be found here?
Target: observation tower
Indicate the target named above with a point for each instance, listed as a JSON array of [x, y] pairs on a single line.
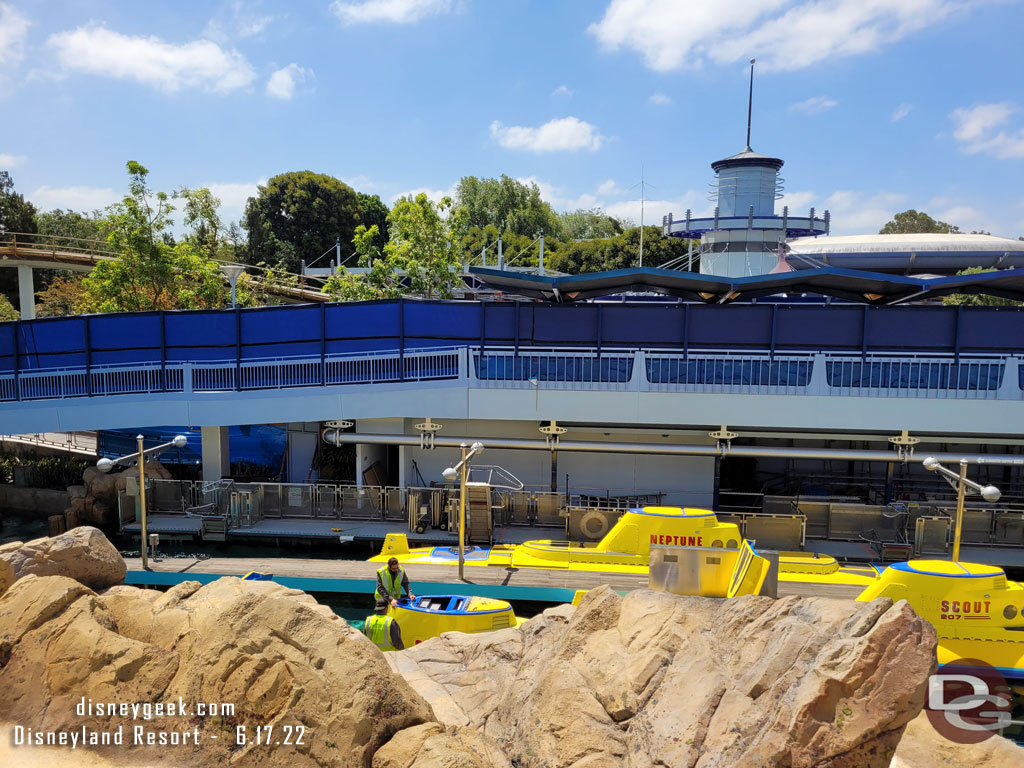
[[744, 236]]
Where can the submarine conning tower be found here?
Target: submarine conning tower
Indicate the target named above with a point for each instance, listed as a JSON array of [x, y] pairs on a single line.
[[744, 236]]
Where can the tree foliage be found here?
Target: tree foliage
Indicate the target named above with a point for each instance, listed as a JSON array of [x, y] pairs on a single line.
[[151, 271], [65, 295], [297, 216], [86, 231], [589, 224], [7, 310], [916, 222], [506, 203], [16, 213], [978, 299], [423, 254], [372, 213], [618, 252], [202, 219]]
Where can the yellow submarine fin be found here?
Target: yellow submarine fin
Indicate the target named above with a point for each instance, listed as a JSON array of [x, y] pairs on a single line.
[[395, 544]]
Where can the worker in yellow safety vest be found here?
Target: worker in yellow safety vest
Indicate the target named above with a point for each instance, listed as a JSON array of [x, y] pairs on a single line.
[[391, 580], [382, 629]]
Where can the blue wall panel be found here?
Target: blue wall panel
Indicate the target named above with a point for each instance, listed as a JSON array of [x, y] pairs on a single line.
[[802, 328], [902, 328], [291, 331], [200, 335], [722, 326], [642, 326], [999, 329]]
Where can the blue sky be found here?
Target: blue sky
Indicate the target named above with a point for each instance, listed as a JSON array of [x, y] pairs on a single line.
[[875, 105]]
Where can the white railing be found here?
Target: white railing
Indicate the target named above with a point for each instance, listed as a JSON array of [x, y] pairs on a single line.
[[716, 371], [920, 376], [725, 372], [530, 368]]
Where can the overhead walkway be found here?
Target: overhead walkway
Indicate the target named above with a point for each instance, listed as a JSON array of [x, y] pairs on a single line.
[[778, 366]]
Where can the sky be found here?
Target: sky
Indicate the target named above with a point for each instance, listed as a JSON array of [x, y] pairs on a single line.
[[875, 106]]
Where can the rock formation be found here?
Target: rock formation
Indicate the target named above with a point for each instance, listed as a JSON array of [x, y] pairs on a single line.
[[83, 554], [654, 679], [922, 747], [645, 680], [96, 501], [274, 653]]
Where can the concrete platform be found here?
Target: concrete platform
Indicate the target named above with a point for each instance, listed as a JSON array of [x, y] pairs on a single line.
[[359, 577], [327, 528]]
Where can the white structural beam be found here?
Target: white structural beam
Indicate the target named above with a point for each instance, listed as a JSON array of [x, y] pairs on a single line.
[[26, 292], [216, 456]]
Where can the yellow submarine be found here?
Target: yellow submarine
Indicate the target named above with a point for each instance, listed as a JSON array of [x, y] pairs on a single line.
[[977, 613], [429, 615], [626, 548]]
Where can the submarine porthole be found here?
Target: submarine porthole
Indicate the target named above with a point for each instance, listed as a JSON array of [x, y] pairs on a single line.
[[717, 543], [731, 544], [1010, 612]]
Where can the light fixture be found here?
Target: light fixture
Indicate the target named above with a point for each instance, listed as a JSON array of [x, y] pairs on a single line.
[[232, 273]]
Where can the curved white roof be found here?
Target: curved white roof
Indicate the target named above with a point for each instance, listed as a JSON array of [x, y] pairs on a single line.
[[905, 244]]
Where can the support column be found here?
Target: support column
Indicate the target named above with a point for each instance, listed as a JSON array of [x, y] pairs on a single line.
[[216, 457], [26, 293]]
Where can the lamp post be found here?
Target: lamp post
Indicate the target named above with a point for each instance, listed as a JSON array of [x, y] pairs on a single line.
[[963, 487], [105, 465], [460, 470], [232, 272]]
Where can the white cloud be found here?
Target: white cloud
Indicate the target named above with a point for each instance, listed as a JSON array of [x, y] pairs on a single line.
[[548, 192], [559, 135], [433, 194], [901, 111], [236, 20], [976, 130], [855, 213], [12, 161], [233, 196], [389, 11], [814, 105], [781, 34], [610, 187], [281, 84], [655, 210], [13, 31], [149, 60], [76, 198], [563, 90], [660, 99]]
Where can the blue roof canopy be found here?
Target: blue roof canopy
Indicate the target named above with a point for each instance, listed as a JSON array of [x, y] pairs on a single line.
[[849, 284]]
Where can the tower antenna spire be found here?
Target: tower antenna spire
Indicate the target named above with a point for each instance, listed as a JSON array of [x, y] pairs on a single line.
[[750, 101]]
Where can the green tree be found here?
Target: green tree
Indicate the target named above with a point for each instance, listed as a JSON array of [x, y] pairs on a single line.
[[978, 299], [297, 216], [151, 271], [588, 224], [517, 250], [65, 295], [382, 280], [508, 204], [202, 219], [16, 213], [7, 310], [372, 213], [618, 252], [915, 222], [423, 254], [86, 231]]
